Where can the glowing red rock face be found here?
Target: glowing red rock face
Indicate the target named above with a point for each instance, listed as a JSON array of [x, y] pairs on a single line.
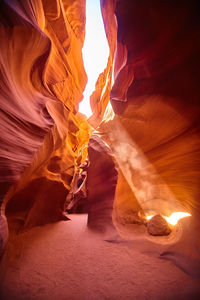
[[39, 72]]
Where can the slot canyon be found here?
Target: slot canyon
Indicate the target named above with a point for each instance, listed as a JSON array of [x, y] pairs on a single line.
[[105, 206]]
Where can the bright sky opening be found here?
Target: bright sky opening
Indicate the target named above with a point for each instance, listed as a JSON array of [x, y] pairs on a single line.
[[95, 51]]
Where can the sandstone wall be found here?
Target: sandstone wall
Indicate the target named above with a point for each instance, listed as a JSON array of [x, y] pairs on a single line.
[[155, 97], [42, 78]]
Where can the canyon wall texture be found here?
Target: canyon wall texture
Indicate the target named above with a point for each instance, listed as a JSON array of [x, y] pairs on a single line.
[[155, 132], [42, 79]]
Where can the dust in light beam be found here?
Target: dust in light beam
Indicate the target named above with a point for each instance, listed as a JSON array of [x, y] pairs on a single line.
[[95, 51]]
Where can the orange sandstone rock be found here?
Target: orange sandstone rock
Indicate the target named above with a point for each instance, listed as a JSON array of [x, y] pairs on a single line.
[[42, 80]]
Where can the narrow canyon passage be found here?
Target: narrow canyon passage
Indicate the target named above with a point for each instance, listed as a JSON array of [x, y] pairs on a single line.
[[99, 200], [66, 260]]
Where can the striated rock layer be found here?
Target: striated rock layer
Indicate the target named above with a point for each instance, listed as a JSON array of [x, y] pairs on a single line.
[[42, 79]]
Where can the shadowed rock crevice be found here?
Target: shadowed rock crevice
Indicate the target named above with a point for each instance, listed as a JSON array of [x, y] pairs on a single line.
[[101, 185], [40, 202]]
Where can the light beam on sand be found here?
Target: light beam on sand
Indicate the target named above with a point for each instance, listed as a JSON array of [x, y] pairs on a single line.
[[95, 51], [152, 193], [174, 217]]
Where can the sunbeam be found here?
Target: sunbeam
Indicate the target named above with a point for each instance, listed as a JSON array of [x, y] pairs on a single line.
[[151, 192], [95, 51]]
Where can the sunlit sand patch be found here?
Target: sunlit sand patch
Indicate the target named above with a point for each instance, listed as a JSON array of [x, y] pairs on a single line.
[[173, 218]]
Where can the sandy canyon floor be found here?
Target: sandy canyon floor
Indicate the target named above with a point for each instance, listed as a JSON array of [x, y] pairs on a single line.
[[66, 260]]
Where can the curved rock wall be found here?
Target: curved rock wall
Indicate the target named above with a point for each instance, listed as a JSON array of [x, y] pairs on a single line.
[[155, 96], [42, 79]]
